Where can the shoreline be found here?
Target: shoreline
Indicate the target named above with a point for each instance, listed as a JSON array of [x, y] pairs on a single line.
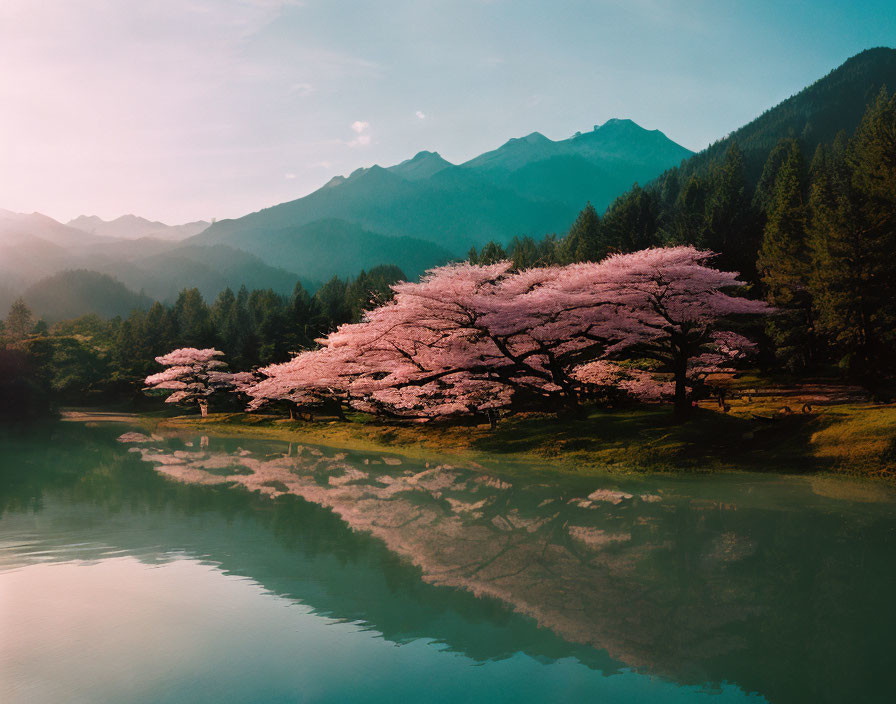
[[856, 440]]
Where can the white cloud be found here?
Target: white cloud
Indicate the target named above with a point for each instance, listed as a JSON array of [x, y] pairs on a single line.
[[289, 176], [362, 141], [420, 114], [360, 128]]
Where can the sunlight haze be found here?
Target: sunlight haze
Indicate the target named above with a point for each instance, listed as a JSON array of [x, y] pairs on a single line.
[[183, 110]]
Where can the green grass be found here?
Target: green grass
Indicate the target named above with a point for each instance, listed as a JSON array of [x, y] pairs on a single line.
[[853, 438], [858, 440]]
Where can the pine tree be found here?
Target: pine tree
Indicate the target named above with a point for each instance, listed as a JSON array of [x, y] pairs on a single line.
[[729, 221], [491, 253], [226, 322], [631, 223], [194, 326], [583, 242], [686, 222], [524, 252], [785, 265], [331, 297], [19, 321], [304, 319], [764, 194], [854, 228]]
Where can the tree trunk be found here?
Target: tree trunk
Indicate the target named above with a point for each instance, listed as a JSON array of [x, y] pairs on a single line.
[[571, 407], [682, 404]]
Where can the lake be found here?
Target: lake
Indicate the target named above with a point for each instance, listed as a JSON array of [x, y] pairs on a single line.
[[148, 568]]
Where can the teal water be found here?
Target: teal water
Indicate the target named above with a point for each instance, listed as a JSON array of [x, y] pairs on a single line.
[[189, 569]]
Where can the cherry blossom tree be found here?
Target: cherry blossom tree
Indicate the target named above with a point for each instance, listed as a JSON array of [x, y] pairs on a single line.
[[409, 358], [723, 353], [688, 305], [603, 377], [194, 375], [470, 339], [310, 381]]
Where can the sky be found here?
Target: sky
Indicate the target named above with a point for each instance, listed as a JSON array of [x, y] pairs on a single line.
[[181, 110]]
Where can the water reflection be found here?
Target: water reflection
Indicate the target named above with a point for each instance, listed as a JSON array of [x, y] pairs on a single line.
[[758, 582]]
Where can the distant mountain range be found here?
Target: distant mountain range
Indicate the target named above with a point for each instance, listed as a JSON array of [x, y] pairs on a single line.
[[131, 227], [416, 214], [528, 186], [22, 228], [35, 249]]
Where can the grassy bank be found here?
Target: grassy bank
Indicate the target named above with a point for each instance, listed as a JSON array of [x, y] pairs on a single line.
[[756, 433]]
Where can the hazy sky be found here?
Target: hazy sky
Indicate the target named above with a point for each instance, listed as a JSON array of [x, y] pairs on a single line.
[[187, 109]]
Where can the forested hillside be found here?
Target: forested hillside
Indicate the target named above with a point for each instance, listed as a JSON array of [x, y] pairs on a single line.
[[814, 116], [106, 354], [802, 202], [73, 293]]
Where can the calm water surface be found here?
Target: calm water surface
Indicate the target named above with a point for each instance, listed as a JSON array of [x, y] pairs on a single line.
[[139, 568]]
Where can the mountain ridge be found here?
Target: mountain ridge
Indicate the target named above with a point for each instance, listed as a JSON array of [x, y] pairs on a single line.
[[495, 196], [131, 226], [815, 114]]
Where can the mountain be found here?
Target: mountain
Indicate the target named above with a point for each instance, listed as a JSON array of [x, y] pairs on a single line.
[[815, 115], [211, 269], [18, 228], [514, 153], [72, 293], [35, 247], [421, 166], [134, 227], [528, 186], [454, 208], [615, 143], [321, 249], [595, 166]]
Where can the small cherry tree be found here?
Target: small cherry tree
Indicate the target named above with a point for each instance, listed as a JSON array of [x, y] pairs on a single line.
[[194, 375]]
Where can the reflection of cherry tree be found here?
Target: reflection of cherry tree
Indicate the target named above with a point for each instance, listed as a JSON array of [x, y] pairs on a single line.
[[574, 559], [194, 375], [472, 339]]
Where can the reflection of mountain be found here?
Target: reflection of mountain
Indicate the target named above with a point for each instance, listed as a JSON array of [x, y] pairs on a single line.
[[755, 582]]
